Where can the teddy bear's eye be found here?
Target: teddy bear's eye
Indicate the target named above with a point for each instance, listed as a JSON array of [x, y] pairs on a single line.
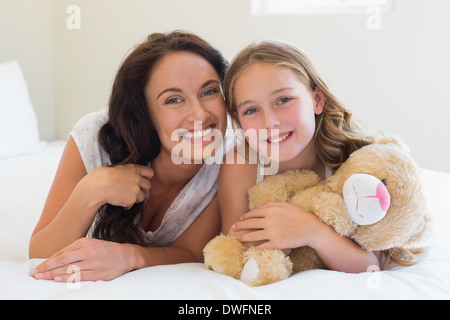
[[384, 182]]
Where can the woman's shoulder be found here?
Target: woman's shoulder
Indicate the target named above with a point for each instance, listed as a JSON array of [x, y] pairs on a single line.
[[85, 134], [91, 122]]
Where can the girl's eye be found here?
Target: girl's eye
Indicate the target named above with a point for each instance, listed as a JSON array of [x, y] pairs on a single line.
[[249, 111], [284, 100]]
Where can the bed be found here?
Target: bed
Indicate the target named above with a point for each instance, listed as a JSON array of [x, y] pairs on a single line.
[[26, 176]]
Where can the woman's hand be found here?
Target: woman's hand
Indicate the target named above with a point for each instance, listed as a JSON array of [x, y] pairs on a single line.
[[277, 226], [87, 260], [76, 196], [122, 185]]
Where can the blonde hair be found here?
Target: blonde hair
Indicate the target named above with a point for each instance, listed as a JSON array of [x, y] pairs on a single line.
[[336, 135], [401, 256]]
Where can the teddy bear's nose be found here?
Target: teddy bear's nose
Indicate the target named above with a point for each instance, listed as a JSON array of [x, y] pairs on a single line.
[[367, 198], [383, 196]]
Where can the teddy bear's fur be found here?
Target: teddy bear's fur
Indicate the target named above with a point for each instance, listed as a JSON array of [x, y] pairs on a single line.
[[403, 225]]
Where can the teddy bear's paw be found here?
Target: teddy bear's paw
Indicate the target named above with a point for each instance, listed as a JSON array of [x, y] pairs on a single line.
[[332, 210], [251, 271], [224, 254], [265, 267], [281, 187]]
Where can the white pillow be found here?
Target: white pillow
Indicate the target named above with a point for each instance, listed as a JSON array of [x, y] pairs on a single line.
[[18, 122]]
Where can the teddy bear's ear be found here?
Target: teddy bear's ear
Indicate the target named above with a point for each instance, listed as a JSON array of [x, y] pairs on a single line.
[[392, 141], [422, 231]]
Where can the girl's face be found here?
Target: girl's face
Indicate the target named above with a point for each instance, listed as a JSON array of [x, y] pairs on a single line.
[[272, 101], [186, 105]]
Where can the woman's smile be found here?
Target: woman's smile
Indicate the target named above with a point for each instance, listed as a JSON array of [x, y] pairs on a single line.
[[199, 135]]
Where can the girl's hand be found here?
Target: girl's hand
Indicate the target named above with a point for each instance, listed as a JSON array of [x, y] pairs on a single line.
[[278, 226], [87, 260], [122, 185]]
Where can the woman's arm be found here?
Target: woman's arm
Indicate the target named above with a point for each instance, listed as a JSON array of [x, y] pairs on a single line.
[[104, 260], [57, 228], [189, 246], [76, 196]]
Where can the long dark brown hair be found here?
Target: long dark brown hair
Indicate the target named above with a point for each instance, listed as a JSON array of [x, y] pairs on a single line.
[[129, 135]]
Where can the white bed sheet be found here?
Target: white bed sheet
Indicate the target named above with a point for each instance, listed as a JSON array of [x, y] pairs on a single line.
[[25, 181]]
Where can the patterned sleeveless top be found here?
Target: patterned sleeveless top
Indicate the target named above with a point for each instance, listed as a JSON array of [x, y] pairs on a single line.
[[186, 207]]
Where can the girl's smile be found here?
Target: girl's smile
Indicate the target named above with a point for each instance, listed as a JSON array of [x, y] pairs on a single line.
[[273, 101], [281, 138]]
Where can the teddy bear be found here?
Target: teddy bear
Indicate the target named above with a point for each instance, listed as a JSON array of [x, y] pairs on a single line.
[[375, 198]]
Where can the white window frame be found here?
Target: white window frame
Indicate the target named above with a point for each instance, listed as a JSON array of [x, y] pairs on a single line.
[[307, 7]]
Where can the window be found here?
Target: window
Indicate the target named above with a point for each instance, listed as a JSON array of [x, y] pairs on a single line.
[[304, 7]]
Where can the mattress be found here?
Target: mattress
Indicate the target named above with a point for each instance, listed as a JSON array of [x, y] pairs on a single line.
[[26, 180]]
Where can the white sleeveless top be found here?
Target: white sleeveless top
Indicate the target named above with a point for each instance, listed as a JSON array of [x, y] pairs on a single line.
[[187, 206], [260, 172]]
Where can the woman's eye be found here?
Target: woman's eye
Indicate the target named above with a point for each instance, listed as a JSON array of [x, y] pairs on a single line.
[[173, 101], [284, 100], [209, 92]]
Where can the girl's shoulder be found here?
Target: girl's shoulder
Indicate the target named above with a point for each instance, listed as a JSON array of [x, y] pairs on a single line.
[[238, 169], [237, 175]]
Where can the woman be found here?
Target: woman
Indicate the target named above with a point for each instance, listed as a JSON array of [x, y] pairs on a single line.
[[117, 180]]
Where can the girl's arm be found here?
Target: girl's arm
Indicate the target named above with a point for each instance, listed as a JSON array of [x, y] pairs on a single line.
[[284, 226], [235, 179], [76, 196], [342, 254]]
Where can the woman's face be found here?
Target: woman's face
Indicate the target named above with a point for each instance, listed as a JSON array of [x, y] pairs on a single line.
[[272, 101], [186, 105]]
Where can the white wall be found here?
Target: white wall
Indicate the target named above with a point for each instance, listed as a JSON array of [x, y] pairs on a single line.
[[86, 60], [26, 36], [394, 78]]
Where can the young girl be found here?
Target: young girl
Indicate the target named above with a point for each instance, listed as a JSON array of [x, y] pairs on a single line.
[[117, 182], [272, 88]]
